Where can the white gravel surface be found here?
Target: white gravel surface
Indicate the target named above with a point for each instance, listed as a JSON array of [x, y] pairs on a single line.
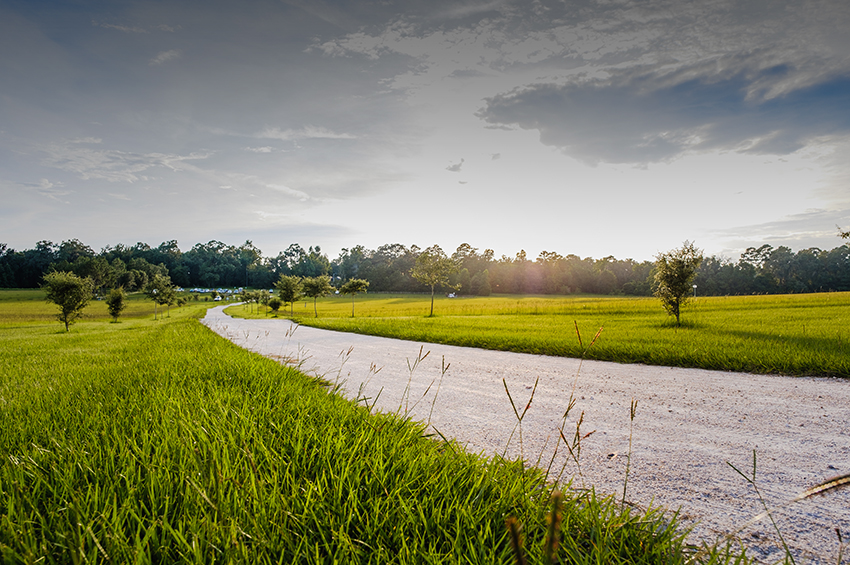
[[689, 424]]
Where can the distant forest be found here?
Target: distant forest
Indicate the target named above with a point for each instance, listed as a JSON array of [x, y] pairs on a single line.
[[762, 270]]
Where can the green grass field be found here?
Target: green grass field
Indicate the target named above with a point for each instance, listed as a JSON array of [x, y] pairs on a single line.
[[157, 442], [800, 334], [28, 306]]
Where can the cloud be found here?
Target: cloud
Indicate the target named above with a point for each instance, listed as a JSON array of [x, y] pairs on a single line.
[[265, 149], [465, 9], [308, 132], [164, 56], [522, 42], [455, 168], [51, 190], [643, 118], [326, 12], [125, 29], [110, 164], [302, 196], [135, 29], [467, 73], [812, 228]]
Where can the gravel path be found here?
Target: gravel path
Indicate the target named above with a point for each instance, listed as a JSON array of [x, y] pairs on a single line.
[[689, 423]]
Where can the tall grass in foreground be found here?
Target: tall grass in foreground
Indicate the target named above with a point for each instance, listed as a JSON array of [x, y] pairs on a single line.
[[804, 334], [160, 442]]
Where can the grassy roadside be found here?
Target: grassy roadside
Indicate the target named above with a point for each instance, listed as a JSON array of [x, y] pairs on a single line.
[[158, 442], [802, 334], [28, 306]]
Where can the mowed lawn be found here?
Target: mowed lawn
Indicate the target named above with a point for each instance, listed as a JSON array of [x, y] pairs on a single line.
[[800, 334], [28, 306]]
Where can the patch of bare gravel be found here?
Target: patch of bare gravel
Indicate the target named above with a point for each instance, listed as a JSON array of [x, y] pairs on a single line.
[[689, 424]]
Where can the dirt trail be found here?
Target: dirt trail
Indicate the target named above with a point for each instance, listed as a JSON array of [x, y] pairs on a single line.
[[689, 423]]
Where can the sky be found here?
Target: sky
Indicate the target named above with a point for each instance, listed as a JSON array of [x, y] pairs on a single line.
[[591, 127]]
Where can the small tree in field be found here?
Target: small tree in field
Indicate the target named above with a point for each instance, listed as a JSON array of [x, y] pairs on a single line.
[[674, 273], [433, 268], [160, 290], [352, 287], [70, 292], [248, 297], [275, 303], [289, 288], [314, 287], [263, 298], [116, 302]]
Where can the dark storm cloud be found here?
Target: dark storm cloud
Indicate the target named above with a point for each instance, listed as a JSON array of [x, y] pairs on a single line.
[[646, 118]]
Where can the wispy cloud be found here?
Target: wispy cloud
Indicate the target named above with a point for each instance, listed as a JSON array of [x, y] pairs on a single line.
[[265, 149], [465, 9], [164, 56], [455, 167], [327, 12], [308, 132], [303, 196], [44, 187], [117, 27], [110, 164], [135, 29], [803, 230]]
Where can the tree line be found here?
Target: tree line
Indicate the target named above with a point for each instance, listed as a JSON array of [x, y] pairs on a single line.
[[390, 268]]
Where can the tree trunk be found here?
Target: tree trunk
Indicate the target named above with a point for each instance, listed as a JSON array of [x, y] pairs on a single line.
[[432, 301]]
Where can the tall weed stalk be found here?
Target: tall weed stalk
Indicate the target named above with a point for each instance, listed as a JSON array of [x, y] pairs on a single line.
[[632, 412], [574, 445]]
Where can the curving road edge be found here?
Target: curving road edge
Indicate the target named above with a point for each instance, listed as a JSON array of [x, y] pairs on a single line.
[[689, 423]]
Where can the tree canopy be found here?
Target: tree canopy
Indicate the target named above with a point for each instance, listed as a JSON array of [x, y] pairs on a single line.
[[761, 269], [674, 275], [433, 269], [289, 289], [161, 291], [352, 287], [315, 287], [116, 302], [70, 292]]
